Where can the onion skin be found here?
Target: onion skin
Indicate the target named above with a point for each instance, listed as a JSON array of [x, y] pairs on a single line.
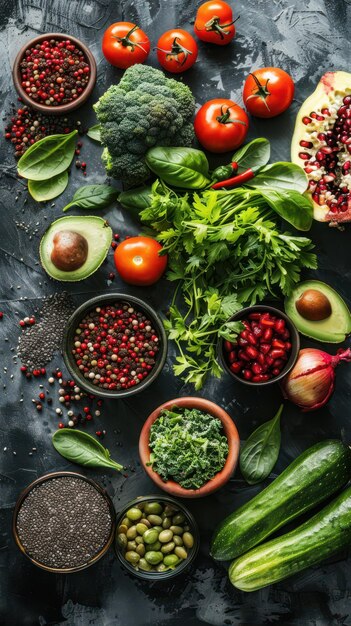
[[311, 382]]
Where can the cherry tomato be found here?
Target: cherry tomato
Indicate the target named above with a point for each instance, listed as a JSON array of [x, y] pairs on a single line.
[[125, 44], [221, 125], [138, 262], [268, 92], [214, 22], [176, 50]]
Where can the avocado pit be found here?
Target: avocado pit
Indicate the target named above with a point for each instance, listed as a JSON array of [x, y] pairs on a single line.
[[70, 250], [313, 305]]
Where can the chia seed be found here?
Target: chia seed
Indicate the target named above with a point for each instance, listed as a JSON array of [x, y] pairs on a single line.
[[64, 522]]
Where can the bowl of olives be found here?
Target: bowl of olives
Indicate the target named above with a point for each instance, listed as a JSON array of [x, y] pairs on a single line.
[[157, 538]]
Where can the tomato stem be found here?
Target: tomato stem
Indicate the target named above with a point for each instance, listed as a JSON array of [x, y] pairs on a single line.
[[175, 51], [224, 118], [126, 41], [214, 25], [262, 91]]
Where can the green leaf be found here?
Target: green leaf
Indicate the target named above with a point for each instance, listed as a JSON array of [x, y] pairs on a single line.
[[136, 200], [253, 155], [48, 157], [180, 167], [260, 451], [291, 205], [94, 132], [79, 447], [280, 175], [93, 197], [44, 190]]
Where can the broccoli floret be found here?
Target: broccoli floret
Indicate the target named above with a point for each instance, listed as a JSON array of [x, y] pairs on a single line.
[[145, 109]]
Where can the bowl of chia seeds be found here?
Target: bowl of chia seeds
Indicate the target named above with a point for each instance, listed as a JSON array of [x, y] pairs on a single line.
[[115, 345], [63, 522]]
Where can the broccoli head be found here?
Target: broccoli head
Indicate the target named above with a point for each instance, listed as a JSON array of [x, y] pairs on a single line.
[[145, 109]]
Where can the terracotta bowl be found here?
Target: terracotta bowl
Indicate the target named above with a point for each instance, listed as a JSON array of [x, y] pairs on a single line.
[[64, 108], [230, 431]]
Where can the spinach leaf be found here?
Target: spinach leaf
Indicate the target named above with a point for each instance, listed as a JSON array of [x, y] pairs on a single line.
[[94, 132], [280, 175], [253, 155], [181, 167], [291, 206], [136, 200], [93, 197], [79, 447], [260, 451], [43, 190], [48, 157]]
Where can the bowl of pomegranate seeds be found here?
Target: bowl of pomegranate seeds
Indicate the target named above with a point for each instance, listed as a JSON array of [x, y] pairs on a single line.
[[115, 345], [54, 73], [266, 348]]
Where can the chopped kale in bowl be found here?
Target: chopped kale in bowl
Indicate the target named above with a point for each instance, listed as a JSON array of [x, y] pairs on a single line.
[[187, 446]]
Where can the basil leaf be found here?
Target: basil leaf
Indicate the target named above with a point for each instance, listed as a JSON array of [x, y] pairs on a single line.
[[253, 155], [291, 205], [181, 167], [280, 175], [43, 190], [136, 199], [94, 132], [79, 447], [48, 157], [93, 197], [260, 451]]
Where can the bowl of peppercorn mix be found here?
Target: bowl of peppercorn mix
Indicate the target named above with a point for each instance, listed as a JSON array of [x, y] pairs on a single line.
[[54, 73], [115, 345]]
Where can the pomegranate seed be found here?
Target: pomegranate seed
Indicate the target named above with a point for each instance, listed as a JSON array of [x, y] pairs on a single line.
[[288, 346], [275, 371], [251, 352], [265, 347], [346, 167], [276, 343], [267, 335], [325, 111], [242, 341], [255, 316], [257, 331], [306, 120], [279, 326], [232, 356], [276, 353], [279, 363], [256, 368], [260, 378], [228, 346], [306, 144], [305, 156], [243, 356], [247, 374], [261, 358], [235, 367], [252, 339]]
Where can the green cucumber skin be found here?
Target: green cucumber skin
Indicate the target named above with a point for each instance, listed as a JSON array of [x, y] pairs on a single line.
[[316, 474], [317, 539]]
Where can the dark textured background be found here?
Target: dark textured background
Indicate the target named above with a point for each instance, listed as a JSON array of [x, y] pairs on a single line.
[[305, 38]]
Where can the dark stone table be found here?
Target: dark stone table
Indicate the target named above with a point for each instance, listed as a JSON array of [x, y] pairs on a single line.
[[305, 38]]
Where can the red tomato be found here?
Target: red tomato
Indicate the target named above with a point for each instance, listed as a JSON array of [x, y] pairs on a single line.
[[221, 125], [176, 50], [125, 44], [138, 262], [214, 22], [268, 92]]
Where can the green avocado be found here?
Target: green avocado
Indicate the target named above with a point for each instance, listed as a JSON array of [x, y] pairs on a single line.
[[73, 247], [335, 326]]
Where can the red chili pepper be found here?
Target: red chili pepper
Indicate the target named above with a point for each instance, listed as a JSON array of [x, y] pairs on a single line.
[[236, 181]]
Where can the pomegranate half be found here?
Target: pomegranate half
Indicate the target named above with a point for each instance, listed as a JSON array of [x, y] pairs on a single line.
[[321, 144]]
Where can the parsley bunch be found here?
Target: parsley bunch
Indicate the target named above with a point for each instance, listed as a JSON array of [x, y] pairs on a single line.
[[226, 250]]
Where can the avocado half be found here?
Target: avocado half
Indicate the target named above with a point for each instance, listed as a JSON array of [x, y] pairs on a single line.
[[98, 235], [333, 329]]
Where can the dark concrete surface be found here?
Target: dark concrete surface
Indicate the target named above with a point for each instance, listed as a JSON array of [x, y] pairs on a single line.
[[306, 38]]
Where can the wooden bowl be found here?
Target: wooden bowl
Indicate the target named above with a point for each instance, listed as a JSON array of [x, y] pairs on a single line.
[[64, 108], [230, 432]]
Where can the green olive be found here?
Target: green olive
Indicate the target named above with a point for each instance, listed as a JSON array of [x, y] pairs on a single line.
[[165, 536], [126, 522], [186, 528], [150, 536], [176, 530], [167, 522], [132, 557], [140, 549], [152, 508], [134, 514], [122, 529], [155, 519], [153, 557], [171, 560], [170, 510], [177, 540], [145, 521], [153, 547], [179, 518], [181, 552], [141, 528], [188, 540], [144, 565], [131, 532], [122, 541], [139, 540], [131, 545], [161, 568], [168, 547], [158, 528]]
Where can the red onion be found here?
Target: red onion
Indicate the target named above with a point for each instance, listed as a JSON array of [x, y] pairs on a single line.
[[311, 381]]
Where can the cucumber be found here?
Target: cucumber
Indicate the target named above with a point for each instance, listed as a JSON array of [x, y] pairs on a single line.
[[316, 474], [320, 537]]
